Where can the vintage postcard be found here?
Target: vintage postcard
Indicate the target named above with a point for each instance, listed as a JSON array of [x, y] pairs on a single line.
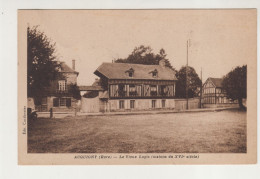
[[139, 87]]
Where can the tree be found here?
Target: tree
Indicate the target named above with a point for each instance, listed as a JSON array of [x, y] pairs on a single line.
[[194, 82], [235, 84], [41, 65], [74, 90], [144, 55]]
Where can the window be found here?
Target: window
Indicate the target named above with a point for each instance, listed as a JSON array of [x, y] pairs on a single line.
[[121, 90], [163, 103], [62, 101], [62, 85], [132, 90], [132, 104], [121, 104], [153, 103], [130, 72], [163, 90], [57, 102], [154, 73], [153, 90]]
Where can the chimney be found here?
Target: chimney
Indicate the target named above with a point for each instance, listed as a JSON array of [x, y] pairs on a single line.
[[73, 64], [162, 63]]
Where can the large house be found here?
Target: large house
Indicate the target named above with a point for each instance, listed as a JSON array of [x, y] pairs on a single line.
[[124, 86], [213, 93], [59, 94]]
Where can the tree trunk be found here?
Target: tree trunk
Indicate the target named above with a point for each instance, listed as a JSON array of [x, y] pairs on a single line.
[[241, 104]]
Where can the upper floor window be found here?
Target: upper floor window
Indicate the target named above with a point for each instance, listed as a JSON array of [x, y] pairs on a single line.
[[62, 85], [153, 90], [154, 73], [130, 72], [132, 90]]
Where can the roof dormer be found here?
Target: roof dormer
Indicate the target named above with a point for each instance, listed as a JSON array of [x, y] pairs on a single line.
[[154, 73], [130, 72]]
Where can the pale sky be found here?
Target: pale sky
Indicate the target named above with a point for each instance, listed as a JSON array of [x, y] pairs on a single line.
[[220, 39]]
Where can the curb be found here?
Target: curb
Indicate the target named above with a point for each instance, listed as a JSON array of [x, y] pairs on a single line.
[[56, 115]]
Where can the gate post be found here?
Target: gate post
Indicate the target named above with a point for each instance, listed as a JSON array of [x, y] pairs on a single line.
[[51, 113]]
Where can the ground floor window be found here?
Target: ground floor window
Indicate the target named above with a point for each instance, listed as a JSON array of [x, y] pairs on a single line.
[[153, 103], [62, 101], [132, 104], [57, 102], [121, 104], [163, 103]]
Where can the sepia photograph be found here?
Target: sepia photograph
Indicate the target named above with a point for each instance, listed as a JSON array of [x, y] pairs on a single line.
[[137, 86]]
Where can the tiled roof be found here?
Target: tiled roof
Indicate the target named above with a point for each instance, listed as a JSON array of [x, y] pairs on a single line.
[[120, 71], [217, 82], [66, 69], [90, 88]]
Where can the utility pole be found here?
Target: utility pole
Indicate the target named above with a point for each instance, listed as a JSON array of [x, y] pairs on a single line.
[[187, 83]]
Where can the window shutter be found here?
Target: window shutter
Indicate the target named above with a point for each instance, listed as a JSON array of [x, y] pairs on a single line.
[[56, 102], [68, 102]]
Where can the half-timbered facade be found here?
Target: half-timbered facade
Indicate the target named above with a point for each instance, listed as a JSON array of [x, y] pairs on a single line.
[[213, 92], [136, 86]]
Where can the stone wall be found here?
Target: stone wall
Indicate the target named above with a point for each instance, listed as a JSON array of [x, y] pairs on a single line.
[[181, 104], [90, 105]]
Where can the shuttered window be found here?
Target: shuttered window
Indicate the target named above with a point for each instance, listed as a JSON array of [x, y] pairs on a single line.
[[57, 102]]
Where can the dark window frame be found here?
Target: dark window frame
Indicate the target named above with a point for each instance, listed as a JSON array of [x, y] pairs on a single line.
[[121, 104], [163, 103], [132, 104], [153, 104]]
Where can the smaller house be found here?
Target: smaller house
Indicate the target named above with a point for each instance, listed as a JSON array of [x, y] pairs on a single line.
[[213, 94], [59, 95]]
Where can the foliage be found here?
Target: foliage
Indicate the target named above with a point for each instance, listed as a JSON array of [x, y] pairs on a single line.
[[194, 82], [74, 90], [235, 84], [91, 94], [144, 55], [41, 65]]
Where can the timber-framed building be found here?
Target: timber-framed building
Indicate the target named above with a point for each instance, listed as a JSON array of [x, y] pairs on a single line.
[[128, 86]]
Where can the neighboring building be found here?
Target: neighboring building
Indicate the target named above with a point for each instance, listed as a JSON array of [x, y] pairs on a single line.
[[213, 93], [59, 95], [125, 86]]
